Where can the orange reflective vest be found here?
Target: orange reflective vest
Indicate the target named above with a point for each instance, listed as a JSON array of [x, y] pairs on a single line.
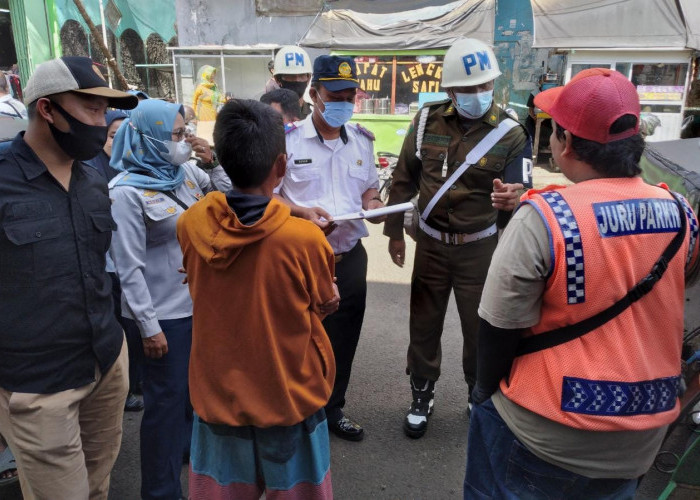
[[605, 236]]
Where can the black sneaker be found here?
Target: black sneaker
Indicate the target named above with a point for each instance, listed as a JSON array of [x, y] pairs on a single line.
[[132, 403], [346, 429], [416, 422]]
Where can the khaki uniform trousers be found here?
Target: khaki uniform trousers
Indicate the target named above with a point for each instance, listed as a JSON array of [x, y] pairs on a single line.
[[66, 443], [438, 269]]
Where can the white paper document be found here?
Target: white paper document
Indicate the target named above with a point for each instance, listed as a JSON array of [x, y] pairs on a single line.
[[377, 212]]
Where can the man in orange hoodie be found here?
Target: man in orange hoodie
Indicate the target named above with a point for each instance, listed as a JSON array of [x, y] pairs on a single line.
[[262, 367]]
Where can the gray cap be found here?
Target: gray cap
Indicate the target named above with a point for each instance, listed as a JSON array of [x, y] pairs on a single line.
[[74, 74]]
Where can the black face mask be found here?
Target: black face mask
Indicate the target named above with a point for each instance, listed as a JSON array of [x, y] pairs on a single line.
[[298, 87], [83, 142]]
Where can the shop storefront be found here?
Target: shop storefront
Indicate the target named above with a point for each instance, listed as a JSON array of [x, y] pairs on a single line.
[[652, 42], [662, 79], [398, 56], [239, 72], [393, 86]]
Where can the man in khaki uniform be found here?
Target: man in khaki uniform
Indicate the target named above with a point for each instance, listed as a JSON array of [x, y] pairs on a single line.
[[457, 238]]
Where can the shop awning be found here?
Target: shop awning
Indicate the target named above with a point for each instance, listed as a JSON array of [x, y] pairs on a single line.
[[313, 7], [691, 12], [425, 28], [601, 24]]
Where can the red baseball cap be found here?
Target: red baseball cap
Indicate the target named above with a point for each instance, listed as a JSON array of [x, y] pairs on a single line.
[[591, 102]]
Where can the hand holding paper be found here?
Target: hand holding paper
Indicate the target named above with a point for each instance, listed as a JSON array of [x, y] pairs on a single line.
[[373, 204], [377, 212]]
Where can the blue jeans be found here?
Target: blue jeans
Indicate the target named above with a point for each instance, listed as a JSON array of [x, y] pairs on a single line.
[[166, 426], [500, 467]]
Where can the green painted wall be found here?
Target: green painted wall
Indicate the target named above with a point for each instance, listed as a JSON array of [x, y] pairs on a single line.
[[36, 25], [144, 17], [389, 130], [33, 34]]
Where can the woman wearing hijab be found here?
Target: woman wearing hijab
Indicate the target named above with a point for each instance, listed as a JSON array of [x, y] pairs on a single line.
[[207, 97], [156, 183]]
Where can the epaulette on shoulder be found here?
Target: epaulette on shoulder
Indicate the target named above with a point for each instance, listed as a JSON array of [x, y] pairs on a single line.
[[288, 127], [364, 131], [435, 106]]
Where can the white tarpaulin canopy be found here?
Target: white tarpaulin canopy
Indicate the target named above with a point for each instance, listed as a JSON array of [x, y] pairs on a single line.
[[616, 24], [313, 7], [425, 28], [691, 12]]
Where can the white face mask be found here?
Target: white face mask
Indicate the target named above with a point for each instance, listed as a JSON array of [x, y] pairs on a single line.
[[177, 152]]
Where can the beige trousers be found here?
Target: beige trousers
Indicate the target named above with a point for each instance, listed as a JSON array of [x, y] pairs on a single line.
[[66, 443]]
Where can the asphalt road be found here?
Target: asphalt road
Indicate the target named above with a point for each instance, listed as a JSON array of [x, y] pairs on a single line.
[[386, 465]]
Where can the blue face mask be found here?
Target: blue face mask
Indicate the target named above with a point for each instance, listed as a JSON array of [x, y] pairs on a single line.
[[473, 106], [337, 114]]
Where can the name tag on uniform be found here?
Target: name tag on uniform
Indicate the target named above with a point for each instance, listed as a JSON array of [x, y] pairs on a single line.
[[438, 140], [303, 161], [643, 216]]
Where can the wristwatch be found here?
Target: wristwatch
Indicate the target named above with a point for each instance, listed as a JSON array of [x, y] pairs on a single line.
[[212, 164]]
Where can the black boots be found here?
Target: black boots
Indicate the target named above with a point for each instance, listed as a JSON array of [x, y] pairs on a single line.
[[416, 422]]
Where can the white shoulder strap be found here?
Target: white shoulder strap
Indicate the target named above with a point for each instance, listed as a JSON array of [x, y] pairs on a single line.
[[473, 156], [420, 131]]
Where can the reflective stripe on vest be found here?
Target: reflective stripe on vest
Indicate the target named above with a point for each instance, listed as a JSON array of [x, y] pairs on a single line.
[[575, 273], [596, 397], [693, 222]]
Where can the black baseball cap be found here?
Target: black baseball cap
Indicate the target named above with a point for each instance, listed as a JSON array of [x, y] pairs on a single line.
[[74, 74], [335, 73]]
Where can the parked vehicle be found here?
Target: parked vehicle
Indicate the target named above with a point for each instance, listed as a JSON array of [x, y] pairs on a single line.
[[681, 464], [675, 164], [386, 163]]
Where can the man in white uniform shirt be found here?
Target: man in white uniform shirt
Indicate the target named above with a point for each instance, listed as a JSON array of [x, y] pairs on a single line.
[[330, 172], [9, 106]]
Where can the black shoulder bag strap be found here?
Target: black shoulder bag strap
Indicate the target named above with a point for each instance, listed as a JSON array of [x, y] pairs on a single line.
[[172, 196], [545, 340]]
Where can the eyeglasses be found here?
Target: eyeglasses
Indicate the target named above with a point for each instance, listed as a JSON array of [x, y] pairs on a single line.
[[179, 133]]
